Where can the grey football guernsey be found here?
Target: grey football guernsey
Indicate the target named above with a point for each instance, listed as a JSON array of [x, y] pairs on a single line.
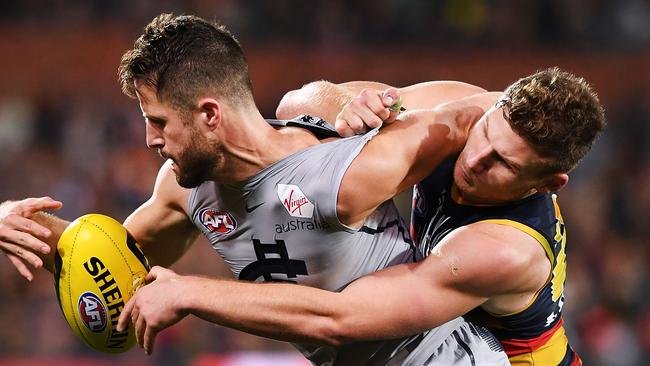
[[281, 225]]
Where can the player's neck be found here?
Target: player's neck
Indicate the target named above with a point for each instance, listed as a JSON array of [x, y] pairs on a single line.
[[251, 144]]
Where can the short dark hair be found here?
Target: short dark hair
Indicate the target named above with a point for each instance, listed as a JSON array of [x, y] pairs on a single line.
[[558, 113], [184, 56]]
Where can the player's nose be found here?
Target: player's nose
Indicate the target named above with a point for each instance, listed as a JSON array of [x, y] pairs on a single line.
[[478, 162], [154, 138]]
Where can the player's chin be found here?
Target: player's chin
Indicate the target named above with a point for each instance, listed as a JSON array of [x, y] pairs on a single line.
[[465, 187], [188, 180], [184, 182]]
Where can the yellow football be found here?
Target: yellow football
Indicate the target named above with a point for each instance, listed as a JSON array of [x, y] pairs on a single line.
[[98, 267]]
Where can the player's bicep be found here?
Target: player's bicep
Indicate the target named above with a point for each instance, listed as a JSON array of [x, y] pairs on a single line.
[[161, 225]]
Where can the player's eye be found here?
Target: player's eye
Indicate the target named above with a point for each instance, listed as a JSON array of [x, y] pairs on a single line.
[[505, 163], [160, 123]]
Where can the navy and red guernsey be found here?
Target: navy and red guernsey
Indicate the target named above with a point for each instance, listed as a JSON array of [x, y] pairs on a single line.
[[533, 335]]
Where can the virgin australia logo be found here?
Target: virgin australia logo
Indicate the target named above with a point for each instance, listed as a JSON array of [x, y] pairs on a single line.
[[295, 201]]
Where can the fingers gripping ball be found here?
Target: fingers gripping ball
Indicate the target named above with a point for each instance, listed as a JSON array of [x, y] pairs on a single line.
[[98, 267]]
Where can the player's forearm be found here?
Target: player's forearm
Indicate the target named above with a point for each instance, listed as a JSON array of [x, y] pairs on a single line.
[[56, 226], [303, 314], [285, 312]]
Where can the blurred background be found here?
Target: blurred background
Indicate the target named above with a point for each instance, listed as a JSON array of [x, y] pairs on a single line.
[[67, 131]]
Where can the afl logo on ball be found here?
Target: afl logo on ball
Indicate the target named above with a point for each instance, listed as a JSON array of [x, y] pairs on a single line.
[[218, 222], [92, 312]]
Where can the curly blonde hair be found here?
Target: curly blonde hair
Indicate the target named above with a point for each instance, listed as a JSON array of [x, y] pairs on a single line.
[[558, 113]]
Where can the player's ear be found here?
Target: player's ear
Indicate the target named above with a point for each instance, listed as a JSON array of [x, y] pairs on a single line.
[[554, 183], [209, 112]]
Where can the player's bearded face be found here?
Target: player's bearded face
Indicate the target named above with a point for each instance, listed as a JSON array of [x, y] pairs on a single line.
[[195, 160], [176, 137]]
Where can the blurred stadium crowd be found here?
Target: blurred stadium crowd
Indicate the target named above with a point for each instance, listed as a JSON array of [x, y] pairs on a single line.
[[83, 143]]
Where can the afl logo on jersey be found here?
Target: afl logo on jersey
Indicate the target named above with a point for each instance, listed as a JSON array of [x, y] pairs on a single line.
[[218, 222], [92, 312], [296, 203]]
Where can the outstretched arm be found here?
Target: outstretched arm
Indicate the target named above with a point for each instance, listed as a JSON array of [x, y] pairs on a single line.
[[29, 235], [414, 297]]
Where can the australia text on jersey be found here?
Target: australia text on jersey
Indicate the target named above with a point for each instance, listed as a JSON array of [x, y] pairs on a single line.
[[298, 224]]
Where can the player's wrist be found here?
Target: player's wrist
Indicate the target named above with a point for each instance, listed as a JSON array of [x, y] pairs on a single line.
[[193, 294]]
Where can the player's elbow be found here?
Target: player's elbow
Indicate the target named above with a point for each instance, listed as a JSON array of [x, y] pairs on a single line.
[[296, 102], [305, 100], [289, 105]]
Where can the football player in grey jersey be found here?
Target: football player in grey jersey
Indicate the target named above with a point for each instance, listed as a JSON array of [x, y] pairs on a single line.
[[276, 204]]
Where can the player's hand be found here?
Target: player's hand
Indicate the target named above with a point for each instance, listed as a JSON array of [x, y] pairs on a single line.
[[370, 109], [153, 307], [20, 237]]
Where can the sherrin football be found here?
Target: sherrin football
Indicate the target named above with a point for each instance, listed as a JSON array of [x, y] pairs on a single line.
[[98, 267]]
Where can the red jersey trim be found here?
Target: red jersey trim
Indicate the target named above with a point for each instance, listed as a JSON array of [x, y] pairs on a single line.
[[514, 347]]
